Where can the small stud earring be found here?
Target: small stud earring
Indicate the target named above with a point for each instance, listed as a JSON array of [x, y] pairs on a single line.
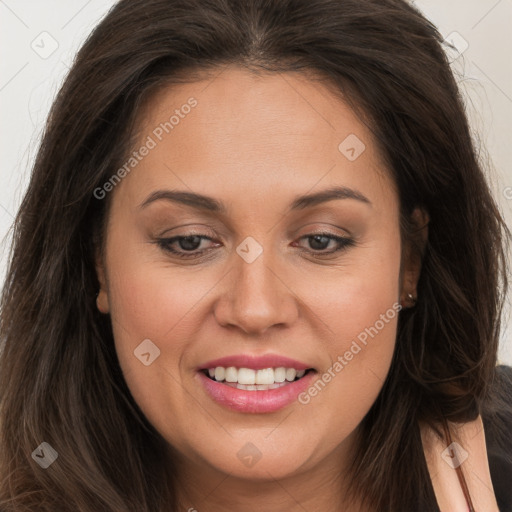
[[411, 298]]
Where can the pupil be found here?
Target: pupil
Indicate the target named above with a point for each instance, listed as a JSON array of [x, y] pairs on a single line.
[[185, 243], [316, 239]]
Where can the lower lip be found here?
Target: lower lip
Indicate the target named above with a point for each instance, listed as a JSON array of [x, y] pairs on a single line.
[[255, 401]]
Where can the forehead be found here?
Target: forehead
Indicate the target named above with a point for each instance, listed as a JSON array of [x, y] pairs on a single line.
[[254, 132]]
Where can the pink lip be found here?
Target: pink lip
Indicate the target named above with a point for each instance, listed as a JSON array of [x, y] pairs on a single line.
[[255, 362], [255, 401]]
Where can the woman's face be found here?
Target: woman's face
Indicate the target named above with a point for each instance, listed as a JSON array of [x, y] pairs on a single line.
[[281, 159]]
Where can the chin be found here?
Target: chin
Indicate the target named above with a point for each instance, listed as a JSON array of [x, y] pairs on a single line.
[[256, 459], [269, 467]]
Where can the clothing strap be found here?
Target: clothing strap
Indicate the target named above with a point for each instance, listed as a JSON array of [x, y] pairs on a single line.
[[458, 469], [458, 466]]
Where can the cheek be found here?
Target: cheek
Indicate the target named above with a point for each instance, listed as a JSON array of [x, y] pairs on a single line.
[[359, 309], [354, 295], [151, 298], [154, 303], [147, 304], [360, 357]]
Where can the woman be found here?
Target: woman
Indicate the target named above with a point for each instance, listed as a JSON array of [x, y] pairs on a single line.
[[257, 267]]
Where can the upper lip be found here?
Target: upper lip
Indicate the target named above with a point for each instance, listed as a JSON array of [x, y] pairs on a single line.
[[255, 362]]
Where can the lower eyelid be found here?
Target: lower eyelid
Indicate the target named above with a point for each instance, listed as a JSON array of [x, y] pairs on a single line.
[[175, 239], [341, 242]]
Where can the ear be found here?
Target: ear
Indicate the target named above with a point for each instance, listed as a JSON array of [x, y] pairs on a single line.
[[412, 257], [102, 298]]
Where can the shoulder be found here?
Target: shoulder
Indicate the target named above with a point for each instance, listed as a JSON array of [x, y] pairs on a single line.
[[497, 421]]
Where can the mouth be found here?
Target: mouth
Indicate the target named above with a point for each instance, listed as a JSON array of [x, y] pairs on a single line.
[[249, 379], [255, 390]]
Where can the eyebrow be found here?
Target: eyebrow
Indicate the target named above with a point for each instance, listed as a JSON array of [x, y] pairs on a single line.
[[202, 202]]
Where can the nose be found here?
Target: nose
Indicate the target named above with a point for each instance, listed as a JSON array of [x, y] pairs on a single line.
[[256, 297]]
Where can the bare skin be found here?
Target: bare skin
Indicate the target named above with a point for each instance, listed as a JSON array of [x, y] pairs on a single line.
[[255, 143]]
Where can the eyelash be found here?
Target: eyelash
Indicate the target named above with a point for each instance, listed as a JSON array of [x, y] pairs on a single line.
[[165, 244]]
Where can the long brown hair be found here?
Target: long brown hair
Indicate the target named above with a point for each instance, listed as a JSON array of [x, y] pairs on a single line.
[[60, 381]]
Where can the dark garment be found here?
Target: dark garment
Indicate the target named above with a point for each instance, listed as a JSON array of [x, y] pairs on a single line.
[[497, 420]]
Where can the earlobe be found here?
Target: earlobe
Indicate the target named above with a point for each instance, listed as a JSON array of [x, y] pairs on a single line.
[[102, 302], [413, 257]]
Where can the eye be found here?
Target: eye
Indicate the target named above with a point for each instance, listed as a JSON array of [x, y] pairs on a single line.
[[188, 246], [321, 241], [184, 246]]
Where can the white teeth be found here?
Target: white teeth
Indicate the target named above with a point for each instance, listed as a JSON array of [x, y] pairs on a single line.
[[291, 373], [265, 376], [231, 374], [258, 387], [247, 378], [220, 372], [280, 374]]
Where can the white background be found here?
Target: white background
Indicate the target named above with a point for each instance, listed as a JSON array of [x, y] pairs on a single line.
[[38, 39]]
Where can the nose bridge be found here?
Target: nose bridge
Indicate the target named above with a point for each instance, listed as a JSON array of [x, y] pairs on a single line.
[[256, 298]]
